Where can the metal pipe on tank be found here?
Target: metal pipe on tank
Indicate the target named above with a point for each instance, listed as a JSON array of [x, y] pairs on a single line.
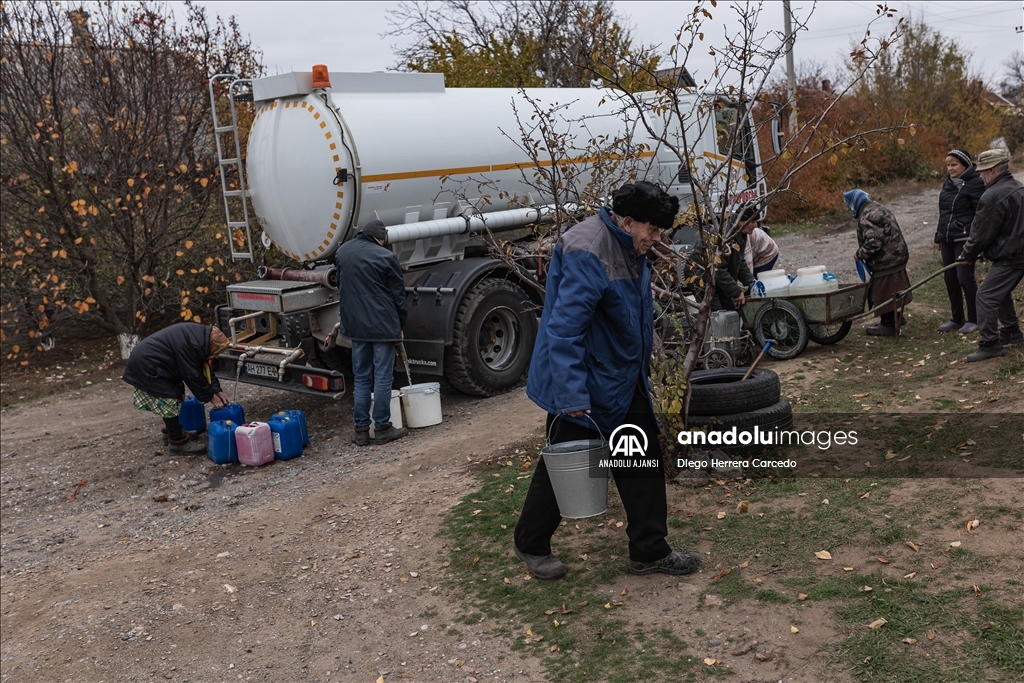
[[495, 221], [327, 277]]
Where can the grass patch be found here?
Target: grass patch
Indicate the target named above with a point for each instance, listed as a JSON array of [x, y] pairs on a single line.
[[930, 636]]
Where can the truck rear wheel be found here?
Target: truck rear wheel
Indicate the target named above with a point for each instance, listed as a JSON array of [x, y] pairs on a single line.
[[494, 331]]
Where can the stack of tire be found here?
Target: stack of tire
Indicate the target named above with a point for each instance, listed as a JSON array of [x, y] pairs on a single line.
[[721, 399]]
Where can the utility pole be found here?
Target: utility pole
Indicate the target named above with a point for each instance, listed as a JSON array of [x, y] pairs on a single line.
[[790, 71]]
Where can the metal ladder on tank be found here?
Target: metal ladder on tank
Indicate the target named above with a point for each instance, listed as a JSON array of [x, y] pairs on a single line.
[[232, 169]]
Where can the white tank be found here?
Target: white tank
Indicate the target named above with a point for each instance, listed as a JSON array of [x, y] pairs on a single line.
[[411, 149]]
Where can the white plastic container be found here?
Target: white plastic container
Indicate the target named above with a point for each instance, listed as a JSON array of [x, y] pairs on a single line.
[[396, 410], [772, 283], [422, 404], [813, 280]]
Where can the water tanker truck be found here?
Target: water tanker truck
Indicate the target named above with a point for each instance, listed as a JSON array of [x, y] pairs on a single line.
[[328, 151]]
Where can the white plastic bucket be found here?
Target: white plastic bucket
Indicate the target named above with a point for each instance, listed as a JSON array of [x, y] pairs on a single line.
[[422, 404], [396, 410]]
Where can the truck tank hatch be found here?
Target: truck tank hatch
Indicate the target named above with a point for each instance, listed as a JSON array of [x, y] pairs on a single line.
[[278, 296]]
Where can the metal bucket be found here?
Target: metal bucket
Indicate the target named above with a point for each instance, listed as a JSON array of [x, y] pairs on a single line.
[[580, 489]]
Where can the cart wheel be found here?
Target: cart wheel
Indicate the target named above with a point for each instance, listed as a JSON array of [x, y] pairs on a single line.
[[717, 358], [783, 322], [828, 334]]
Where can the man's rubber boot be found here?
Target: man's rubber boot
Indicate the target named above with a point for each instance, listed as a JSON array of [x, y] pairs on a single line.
[[882, 331], [544, 567], [987, 351], [361, 437], [392, 433], [189, 445]]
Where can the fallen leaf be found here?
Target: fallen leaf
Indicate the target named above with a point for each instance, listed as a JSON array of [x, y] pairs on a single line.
[[863, 494], [971, 525], [607, 605], [910, 575], [380, 679], [864, 395], [618, 603], [794, 629], [824, 501], [529, 632], [910, 641], [711, 662], [913, 546], [890, 455], [930, 635], [553, 648], [625, 591], [556, 623], [866, 589], [721, 515], [742, 507], [801, 596], [823, 555], [882, 560], [744, 564], [935, 565], [722, 573], [505, 581], [847, 569], [977, 589], [954, 544], [566, 610], [759, 580], [549, 612], [877, 623], [476, 560], [584, 603]]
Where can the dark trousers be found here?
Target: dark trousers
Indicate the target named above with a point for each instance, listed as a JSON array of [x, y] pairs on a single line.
[[961, 284], [642, 497], [995, 302]]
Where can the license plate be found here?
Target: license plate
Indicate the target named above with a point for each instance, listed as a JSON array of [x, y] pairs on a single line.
[[261, 370]]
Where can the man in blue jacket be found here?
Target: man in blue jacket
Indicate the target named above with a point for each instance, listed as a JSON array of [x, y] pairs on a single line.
[[590, 369], [371, 291]]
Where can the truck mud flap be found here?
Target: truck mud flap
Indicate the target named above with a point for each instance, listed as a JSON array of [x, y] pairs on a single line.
[[302, 379]]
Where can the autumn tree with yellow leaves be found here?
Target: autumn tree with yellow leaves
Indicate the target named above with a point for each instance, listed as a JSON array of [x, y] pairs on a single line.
[[108, 172]]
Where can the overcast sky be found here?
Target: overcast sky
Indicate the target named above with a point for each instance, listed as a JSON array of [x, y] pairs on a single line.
[[349, 36]]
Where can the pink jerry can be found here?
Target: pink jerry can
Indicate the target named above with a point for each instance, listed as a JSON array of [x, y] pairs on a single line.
[[254, 444]]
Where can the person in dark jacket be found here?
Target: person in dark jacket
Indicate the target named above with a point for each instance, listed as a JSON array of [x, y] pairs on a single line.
[[372, 297], [884, 251], [733, 275], [958, 200], [590, 368], [997, 234], [162, 364]]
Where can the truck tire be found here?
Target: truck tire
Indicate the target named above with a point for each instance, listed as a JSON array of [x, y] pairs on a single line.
[[493, 337], [720, 392], [778, 416]]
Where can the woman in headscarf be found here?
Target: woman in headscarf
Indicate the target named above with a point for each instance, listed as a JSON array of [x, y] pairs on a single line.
[[958, 201], [160, 367], [884, 251]]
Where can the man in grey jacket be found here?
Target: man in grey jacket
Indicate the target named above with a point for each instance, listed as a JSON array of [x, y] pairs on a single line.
[[371, 291], [997, 233]]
